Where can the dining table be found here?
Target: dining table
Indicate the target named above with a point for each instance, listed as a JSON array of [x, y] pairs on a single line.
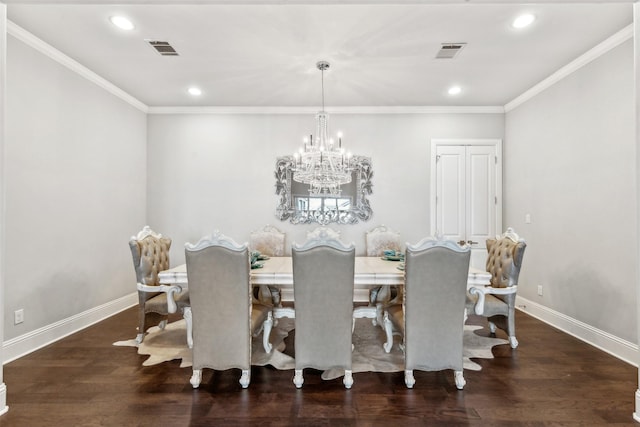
[[369, 272]]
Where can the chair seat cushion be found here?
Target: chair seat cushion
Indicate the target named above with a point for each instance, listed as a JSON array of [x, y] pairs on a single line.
[[492, 305], [396, 315], [158, 304]]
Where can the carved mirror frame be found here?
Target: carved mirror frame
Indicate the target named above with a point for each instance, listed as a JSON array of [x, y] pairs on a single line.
[[360, 208]]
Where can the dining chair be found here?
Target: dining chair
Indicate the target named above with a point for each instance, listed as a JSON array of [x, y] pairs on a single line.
[[150, 252], [323, 275], [224, 315], [268, 241], [325, 231], [497, 302], [378, 240], [431, 317]]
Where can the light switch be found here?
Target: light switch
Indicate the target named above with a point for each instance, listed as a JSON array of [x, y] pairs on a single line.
[[527, 219]]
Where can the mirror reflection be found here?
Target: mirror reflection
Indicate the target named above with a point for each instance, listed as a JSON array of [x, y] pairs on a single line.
[[300, 207]]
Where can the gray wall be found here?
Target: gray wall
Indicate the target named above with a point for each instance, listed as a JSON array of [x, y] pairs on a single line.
[[76, 191], [569, 161], [216, 171]]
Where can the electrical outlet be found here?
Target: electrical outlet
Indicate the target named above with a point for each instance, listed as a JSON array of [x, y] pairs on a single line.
[[539, 290], [18, 316]]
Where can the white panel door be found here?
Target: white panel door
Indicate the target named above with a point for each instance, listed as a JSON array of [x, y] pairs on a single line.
[[466, 199], [451, 193]]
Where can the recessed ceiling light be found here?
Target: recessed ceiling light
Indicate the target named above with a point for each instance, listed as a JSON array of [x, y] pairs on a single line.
[[523, 20], [454, 90], [122, 22], [195, 91]]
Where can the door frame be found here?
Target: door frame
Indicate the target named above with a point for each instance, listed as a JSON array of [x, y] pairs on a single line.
[[496, 143]]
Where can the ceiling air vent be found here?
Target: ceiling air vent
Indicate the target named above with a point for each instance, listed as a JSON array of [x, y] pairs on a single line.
[[449, 50], [163, 48]]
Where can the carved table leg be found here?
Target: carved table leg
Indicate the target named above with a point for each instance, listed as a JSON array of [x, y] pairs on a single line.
[[266, 332], [186, 314]]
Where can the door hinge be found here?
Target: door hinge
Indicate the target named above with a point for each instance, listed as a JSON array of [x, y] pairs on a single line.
[[496, 200]]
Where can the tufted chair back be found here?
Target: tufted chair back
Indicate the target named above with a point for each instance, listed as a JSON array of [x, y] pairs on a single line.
[[150, 252], [505, 259]]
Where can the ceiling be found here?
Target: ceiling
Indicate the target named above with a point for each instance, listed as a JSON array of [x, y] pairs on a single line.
[[264, 53]]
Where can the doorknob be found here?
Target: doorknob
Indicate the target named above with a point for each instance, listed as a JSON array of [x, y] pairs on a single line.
[[472, 243], [462, 243]]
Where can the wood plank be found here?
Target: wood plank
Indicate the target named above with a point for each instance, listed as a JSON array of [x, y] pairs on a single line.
[[550, 379]]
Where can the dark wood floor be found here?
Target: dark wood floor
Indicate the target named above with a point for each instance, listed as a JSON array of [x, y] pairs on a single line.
[[551, 379]]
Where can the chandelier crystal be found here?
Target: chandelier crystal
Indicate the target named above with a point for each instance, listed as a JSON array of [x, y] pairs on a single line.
[[321, 163]]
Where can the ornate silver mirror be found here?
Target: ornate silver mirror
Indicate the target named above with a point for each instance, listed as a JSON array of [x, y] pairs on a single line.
[[297, 204]]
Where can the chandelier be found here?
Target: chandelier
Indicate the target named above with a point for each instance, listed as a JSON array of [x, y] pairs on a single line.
[[321, 163]]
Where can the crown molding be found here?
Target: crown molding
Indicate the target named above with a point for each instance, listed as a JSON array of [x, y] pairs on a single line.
[[596, 52], [332, 110], [41, 46], [299, 2]]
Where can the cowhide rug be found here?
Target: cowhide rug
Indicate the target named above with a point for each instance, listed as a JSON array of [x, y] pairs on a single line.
[[368, 354]]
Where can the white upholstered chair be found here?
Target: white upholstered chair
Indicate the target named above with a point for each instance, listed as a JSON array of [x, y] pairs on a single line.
[[378, 240], [497, 301], [323, 232], [431, 320], [268, 241], [150, 252], [323, 273], [224, 315]]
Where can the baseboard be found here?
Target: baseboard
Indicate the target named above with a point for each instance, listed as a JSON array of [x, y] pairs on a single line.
[[615, 346], [24, 344]]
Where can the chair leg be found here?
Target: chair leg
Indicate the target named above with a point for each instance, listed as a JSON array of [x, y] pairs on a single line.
[[245, 378], [139, 338], [459, 378], [492, 327], [275, 296], [162, 324], [373, 298], [188, 318], [409, 379], [388, 328], [348, 379], [298, 380], [511, 328], [266, 333], [196, 378], [513, 342]]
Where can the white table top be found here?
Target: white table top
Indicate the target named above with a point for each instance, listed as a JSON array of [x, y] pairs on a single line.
[[279, 271]]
